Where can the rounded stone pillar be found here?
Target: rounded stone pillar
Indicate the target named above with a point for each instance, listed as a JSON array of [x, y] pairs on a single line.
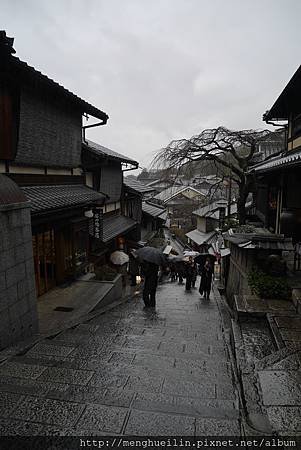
[[18, 301]]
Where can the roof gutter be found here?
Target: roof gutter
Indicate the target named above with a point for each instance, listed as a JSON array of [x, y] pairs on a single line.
[[93, 125]]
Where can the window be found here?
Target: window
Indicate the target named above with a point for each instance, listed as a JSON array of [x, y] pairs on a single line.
[[296, 126]]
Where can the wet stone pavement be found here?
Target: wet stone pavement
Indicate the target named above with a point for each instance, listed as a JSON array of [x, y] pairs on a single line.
[[129, 371]]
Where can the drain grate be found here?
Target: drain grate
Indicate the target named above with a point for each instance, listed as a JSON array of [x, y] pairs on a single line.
[[63, 308]]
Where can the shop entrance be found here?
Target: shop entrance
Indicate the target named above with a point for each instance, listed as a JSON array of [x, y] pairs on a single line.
[[44, 261]]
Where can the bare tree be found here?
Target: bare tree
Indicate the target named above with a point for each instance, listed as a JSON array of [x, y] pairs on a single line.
[[232, 151]]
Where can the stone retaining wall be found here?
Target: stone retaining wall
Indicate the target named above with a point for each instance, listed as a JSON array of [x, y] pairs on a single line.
[[18, 310]]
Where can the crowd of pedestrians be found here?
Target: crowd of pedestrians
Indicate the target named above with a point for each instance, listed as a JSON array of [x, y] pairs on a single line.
[[188, 269], [151, 267]]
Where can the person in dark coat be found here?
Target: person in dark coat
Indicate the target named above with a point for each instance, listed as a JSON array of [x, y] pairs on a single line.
[[150, 273], [180, 271], [173, 273], [194, 274], [206, 280], [133, 268], [188, 273]]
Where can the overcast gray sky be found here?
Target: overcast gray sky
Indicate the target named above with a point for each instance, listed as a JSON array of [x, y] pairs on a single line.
[[161, 69]]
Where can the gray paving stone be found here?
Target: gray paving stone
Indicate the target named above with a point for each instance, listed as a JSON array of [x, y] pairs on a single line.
[[184, 405], [48, 411], [153, 361], [116, 357], [71, 337], [189, 388], [8, 402], [108, 380], [23, 386], [141, 342], [224, 406], [290, 335], [291, 362], [217, 427], [103, 418], [86, 328], [19, 370], [217, 350], [286, 419], [225, 391], [166, 388], [89, 351], [149, 424], [44, 348], [63, 375], [9, 427], [144, 383], [280, 387], [118, 397], [107, 369], [92, 394], [171, 347], [208, 368]]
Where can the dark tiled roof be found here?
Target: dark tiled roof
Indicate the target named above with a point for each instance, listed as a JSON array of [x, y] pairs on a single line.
[[30, 75], [152, 210], [208, 210], [47, 198], [114, 226], [137, 186], [291, 159], [288, 101], [260, 239], [105, 152]]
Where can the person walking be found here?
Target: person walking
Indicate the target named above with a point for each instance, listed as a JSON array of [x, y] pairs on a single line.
[[173, 273], [206, 280], [133, 268], [189, 272], [150, 274], [180, 271], [194, 274]]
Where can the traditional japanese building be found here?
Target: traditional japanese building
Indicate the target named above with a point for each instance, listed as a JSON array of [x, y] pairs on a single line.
[[40, 150], [179, 202], [278, 200], [121, 212]]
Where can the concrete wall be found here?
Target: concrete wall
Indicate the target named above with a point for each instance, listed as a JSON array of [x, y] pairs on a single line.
[[18, 309]]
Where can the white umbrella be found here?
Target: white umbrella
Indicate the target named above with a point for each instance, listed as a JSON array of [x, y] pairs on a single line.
[[190, 253], [119, 258]]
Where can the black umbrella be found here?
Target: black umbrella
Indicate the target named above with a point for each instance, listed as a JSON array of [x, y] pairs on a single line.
[[151, 255], [175, 258]]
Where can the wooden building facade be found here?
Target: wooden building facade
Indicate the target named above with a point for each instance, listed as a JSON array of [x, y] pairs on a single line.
[[40, 150]]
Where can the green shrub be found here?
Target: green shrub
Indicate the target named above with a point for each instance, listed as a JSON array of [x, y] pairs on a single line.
[[267, 286]]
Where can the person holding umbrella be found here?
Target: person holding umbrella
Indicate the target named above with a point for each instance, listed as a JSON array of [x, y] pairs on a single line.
[[152, 258], [206, 280], [189, 267], [133, 267], [150, 273]]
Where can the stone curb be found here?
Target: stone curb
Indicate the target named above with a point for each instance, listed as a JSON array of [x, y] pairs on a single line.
[[251, 423]]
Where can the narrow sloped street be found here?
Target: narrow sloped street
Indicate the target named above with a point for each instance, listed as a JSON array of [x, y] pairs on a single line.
[[129, 371]]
